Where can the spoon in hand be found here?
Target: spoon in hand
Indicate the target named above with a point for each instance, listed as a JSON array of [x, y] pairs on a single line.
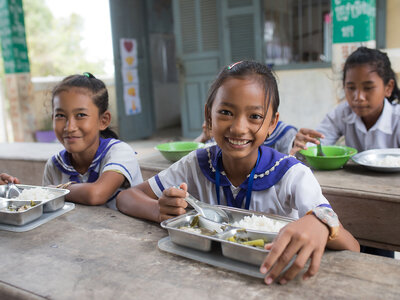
[[319, 149], [208, 211], [12, 191]]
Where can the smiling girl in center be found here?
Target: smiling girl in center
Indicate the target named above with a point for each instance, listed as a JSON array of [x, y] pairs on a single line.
[[241, 111]]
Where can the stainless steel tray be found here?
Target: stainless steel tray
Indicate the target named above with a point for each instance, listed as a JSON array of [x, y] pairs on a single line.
[[198, 241], [249, 254], [49, 205], [19, 217], [44, 218], [370, 159]]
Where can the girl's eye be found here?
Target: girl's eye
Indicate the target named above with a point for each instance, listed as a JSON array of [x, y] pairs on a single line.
[[350, 88], [225, 112], [59, 116], [81, 115], [256, 116], [367, 88]]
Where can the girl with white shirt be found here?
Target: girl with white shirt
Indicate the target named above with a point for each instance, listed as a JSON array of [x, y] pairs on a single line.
[[240, 113], [370, 118]]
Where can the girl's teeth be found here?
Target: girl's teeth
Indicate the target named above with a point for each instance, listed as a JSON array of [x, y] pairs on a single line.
[[235, 142]]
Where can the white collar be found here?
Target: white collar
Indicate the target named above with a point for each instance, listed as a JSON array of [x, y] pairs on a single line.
[[384, 122]]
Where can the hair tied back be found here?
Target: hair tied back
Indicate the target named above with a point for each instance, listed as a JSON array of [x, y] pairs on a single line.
[[88, 75]]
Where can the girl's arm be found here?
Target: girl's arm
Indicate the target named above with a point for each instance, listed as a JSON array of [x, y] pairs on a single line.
[[141, 202], [98, 192], [5, 178], [307, 237]]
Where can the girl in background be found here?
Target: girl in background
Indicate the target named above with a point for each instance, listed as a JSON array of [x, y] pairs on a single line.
[[241, 112], [95, 165], [369, 119]]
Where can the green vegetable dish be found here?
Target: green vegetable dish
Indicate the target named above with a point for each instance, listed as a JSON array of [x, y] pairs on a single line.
[[258, 243]]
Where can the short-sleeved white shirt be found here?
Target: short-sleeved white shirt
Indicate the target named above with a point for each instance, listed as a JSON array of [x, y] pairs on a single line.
[[120, 158], [293, 195], [342, 121]]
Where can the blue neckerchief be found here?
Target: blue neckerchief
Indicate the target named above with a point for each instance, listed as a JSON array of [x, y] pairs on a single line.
[[63, 163], [279, 131], [271, 161], [238, 201]]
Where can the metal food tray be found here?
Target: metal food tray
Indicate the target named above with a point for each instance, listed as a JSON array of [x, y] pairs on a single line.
[[19, 218], [49, 205], [198, 241], [370, 158]]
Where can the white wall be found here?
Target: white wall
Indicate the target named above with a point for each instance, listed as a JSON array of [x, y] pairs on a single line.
[[307, 95]]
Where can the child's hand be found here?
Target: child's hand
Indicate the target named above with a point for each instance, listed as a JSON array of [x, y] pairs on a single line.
[[306, 237], [5, 178], [304, 136], [172, 202]]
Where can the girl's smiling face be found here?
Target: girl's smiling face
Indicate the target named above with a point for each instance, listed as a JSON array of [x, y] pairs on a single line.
[[239, 122], [365, 91], [76, 121]]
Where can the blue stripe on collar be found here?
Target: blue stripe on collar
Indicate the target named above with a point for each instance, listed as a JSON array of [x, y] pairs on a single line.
[[279, 131], [272, 167]]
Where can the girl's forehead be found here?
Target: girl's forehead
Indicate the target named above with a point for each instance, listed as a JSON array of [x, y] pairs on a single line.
[[73, 98], [361, 73]]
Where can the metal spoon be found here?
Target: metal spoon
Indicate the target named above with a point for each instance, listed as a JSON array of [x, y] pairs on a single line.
[[12, 191], [319, 149], [208, 211]]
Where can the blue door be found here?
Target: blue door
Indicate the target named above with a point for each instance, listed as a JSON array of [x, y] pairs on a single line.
[[210, 34]]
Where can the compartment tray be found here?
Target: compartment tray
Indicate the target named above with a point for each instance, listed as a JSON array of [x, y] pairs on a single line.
[[214, 258], [43, 219]]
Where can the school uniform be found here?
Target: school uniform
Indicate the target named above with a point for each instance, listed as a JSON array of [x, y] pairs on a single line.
[[281, 138], [385, 133], [342, 121], [281, 184], [112, 155]]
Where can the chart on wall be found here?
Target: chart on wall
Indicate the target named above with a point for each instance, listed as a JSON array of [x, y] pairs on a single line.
[[128, 48]]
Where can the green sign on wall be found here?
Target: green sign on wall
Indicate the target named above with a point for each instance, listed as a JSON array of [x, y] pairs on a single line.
[[353, 20], [12, 36]]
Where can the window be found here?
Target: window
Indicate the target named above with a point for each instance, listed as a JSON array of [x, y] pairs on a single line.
[[297, 31]]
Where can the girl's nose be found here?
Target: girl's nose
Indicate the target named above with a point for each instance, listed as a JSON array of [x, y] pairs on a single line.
[[70, 125], [239, 126], [359, 96]]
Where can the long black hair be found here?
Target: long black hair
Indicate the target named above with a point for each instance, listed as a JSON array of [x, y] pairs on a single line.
[[380, 63], [98, 91]]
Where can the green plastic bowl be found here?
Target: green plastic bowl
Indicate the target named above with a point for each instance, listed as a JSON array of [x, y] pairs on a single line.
[[336, 157], [174, 151]]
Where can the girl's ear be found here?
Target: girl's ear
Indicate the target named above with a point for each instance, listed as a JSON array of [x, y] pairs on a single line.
[[389, 88], [273, 124], [105, 120], [207, 117]]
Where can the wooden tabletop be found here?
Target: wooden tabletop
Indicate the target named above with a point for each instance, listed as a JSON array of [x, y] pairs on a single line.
[[98, 253]]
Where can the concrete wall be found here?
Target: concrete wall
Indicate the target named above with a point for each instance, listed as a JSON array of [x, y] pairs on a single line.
[[307, 95], [392, 24]]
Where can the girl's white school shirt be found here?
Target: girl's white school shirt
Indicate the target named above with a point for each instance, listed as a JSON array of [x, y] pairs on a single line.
[[119, 157], [342, 121], [293, 195]]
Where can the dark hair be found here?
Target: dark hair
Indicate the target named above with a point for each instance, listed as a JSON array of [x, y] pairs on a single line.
[[98, 92], [241, 70], [380, 63]]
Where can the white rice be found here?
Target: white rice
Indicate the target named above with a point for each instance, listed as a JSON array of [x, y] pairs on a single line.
[[36, 194], [389, 161], [260, 223]]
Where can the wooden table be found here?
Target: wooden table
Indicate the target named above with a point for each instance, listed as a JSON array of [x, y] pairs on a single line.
[[98, 253], [367, 202]]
